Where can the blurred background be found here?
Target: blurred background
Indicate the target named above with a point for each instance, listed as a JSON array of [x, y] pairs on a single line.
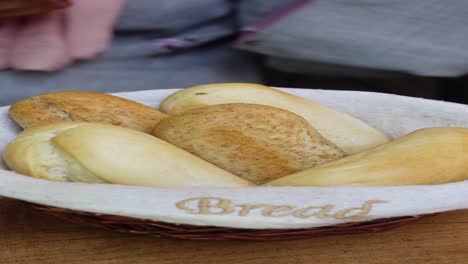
[[415, 48]]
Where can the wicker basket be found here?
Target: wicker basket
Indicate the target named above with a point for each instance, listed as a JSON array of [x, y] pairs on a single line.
[[412, 114], [191, 232]]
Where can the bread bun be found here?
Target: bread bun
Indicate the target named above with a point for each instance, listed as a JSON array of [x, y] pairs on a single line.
[[350, 134], [256, 142], [101, 153], [427, 156], [84, 106]]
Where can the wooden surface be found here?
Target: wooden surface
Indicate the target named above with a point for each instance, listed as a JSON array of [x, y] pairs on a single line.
[[27, 236]]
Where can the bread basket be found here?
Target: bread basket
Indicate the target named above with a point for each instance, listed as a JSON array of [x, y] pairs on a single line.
[[274, 213]]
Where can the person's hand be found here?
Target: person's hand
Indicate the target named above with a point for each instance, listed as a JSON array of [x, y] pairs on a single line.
[[51, 41]]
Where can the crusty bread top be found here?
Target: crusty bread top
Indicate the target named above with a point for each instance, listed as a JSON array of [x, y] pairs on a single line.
[[347, 132], [256, 142], [84, 106]]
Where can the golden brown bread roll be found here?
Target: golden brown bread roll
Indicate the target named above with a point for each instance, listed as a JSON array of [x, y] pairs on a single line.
[[427, 156], [350, 134], [84, 106], [101, 153], [256, 142]]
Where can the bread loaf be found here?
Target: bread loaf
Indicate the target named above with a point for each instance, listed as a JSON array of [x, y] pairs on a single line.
[[257, 142], [349, 133], [84, 106], [427, 156], [101, 153]]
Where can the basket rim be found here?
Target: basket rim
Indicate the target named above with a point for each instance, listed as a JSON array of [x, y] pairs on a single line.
[[124, 224]]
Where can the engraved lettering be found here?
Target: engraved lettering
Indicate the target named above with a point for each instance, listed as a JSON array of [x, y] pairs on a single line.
[[222, 206], [273, 211], [246, 208], [183, 205], [361, 211], [322, 213], [207, 205]]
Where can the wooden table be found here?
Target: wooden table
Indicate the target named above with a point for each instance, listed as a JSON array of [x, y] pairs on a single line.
[[27, 236]]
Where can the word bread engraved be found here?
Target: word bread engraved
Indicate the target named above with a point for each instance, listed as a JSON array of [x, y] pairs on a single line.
[[222, 206]]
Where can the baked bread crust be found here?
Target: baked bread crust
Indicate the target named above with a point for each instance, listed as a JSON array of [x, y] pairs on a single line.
[[257, 142], [427, 156], [347, 132], [84, 106]]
